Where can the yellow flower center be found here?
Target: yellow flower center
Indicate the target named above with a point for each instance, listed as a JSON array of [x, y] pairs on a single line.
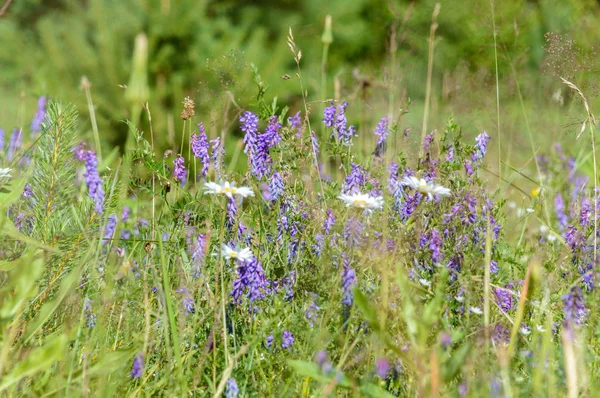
[[233, 254], [359, 202], [422, 186], [535, 192]]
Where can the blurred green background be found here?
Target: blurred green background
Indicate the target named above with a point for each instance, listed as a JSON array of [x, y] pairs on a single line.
[[377, 60]]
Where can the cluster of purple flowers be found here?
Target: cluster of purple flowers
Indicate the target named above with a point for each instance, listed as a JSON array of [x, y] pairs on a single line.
[[336, 117]]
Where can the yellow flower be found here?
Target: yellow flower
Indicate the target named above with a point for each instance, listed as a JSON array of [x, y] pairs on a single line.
[[535, 192]]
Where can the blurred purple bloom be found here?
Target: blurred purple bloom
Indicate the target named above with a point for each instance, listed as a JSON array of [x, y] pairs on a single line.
[[287, 339], [218, 155], [329, 221], [574, 306], [231, 389], [93, 181], [27, 191], [296, 122], [39, 117], [559, 208], [504, 298], [109, 230], [323, 362], [436, 245], [187, 301], [354, 231], [450, 155], [1, 140], [269, 340], [427, 142], [137, 370], [348, 282], [312, 312], [16, 140], [468, 168], [382, 367], [381, 131]]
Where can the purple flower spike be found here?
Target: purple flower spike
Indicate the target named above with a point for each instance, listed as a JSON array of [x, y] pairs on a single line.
[[93, 181], [179, 170], [39, 117], [200, 148], [137, 370], [329, 115], [480, 146], [382, 367]]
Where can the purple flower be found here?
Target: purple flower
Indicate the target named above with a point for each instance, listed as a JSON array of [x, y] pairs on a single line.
[[355, 179], [329, 221], [287, 339], [179, 170], [353, 232], [218, 155], [296, 124], [427, 142], [348, 282], [16, 140], [137, 370], [329, 115], [481, 142], [251, 281], [231, 213], [125, 214], [469, 168], [231, 389], [344, 133], [198, 255], [323, 362], [504, 298], [586, 211], [446, 340], [381, 131], [271, 134], [315, 143], [436, 245], [109, 230], [408, 207], [93, 181], [27, 191], [187, 301], [249, 125], [276, 186], [501, 335], [574, 238], [269, 341], [90, 317], [311, 312], [559, 208], [450, 155], [1, 140], [574, 307], [200, 148], [382, 367], [39, 117]]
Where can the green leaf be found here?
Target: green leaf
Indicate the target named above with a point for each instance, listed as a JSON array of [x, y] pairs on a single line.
[[368, 311], [456, 362], [21, 284], [38, 360], [66, 286], [372, 390], [312, 370]]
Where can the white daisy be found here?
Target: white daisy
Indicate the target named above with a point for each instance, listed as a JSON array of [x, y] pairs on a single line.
[[5, 173], [362, 201], [525, 331], [236, 253], [476, 310], [228, 189], [460, 299], [425, 187]]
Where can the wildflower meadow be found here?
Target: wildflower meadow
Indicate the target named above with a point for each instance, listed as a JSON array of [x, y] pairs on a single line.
[[304, 247]]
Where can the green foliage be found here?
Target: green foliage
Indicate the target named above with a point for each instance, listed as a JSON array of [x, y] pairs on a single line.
[[54, 172]]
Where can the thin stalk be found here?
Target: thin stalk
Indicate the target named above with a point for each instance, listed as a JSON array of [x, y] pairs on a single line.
[[486, 285], [431, 41], [497, 95], [85, 84]]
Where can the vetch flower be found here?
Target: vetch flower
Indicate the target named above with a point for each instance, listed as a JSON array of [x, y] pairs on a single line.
[[200, 147], [93, 181], [228, 189], [476, 310], [382, 367], [137, 370], [425, 187], [329, 115], [179, 170], [362, 201], [480, 146], [574, 307], [231, 389], [287, 339], [236, 253]]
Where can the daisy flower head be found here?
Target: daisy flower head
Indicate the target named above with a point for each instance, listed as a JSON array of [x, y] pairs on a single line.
[[236, 253], [428, 188], [362, 201], [228, 189]]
